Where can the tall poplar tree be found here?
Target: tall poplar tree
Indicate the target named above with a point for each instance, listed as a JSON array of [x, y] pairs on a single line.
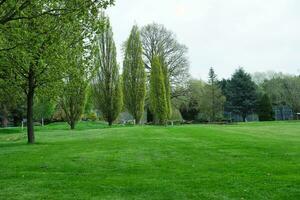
[[158, 99], [166, 76], [107, 83], [134, 76], [265, 110]]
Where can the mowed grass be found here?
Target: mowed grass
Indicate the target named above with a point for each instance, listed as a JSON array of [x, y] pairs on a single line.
[[244, 161]]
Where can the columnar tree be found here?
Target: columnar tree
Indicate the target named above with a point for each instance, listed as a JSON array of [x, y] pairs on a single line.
[[134, 75], [212, 103], [81, 69], [167, 86], [107, 82], [158, 99], [242, 95], [265, 111], [212, 86], [73, 97]]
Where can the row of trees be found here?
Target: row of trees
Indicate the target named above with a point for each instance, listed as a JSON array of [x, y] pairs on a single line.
[[60, 52], [60, 56], [241, 95], [39, 42]]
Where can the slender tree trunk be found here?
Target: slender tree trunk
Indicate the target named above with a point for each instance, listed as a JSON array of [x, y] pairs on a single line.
[[244, 118], [4, 120], [30, 95], [15, 119], [72, 124]]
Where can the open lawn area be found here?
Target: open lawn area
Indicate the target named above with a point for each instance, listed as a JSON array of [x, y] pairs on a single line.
[[242, 161]]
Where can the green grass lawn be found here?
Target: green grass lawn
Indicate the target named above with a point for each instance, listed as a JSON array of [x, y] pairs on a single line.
[[244, 161]]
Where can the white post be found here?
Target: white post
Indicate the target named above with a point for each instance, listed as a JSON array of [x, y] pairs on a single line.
[[42, 121], [22, 125]]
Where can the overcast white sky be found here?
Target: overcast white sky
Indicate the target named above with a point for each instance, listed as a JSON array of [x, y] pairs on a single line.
[[259, 35]]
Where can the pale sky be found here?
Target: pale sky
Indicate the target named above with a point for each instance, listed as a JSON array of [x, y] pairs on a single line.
[[258, 35]]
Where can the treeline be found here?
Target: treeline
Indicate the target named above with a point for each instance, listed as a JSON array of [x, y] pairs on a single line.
[[58, 62], [242, 95]]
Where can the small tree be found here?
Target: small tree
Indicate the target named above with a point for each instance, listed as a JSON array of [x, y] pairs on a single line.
[[265, 111], [134, 76], [212, 102], [158, 100], [81, 69], [43, 108], [73, 99], [190, 106], [107, 83]]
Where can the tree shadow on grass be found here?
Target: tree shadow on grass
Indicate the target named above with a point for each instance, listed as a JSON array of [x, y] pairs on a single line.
[[10, 130], [12, 144]]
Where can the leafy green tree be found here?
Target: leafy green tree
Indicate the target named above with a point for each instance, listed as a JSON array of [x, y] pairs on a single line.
[[107, 86], [190, 106], [33, 35], [167, 86], [73, 98], [265, 111], [81, 70], [17, 10], [242, 95], [134, 76], [212, 101], [283, 90], [158, 99], [10, 96], [44, 108]]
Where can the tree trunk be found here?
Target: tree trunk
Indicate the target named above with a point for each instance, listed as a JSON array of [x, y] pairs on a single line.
[[4, 121], [110, 122], [137, 121], [244, 118], [72, 124], [30, 95]]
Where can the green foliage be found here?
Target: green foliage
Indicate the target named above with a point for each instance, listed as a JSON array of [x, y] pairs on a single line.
[[73, 99], [43, 108], [157, 40], [284, 90], [77, 78], [242, 95], [265, 111], [212, 103], [190, 106], [167, 86], [158, 99], [34, 36], [107, 85], [134, 76]]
